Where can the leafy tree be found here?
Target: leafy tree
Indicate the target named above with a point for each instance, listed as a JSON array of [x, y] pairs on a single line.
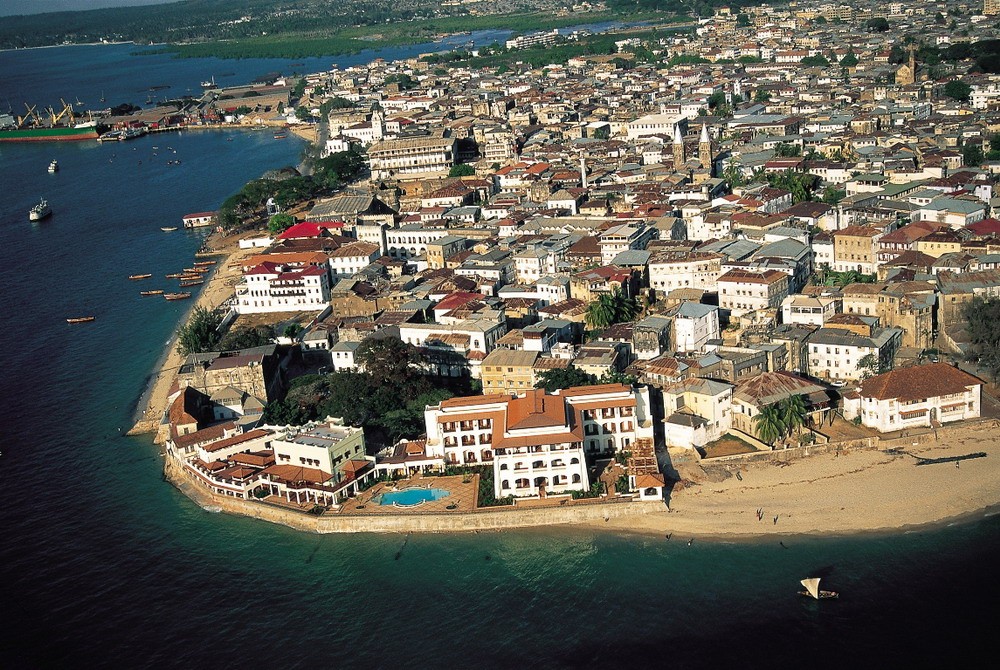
[[869, 366], [742, 20], [564, 378], [877, 25], [246, 337], [403, 80], [849, 60], [292, 330], [972, 155], [716, 99], [618, 377], [761, 95], [279, 223], [767, 424], [390, 361], [956, 89], [814, 61], [832, 195], [302, 114], [939, 19], [200, 333], [462, 170], [299, 89], [799, 184]]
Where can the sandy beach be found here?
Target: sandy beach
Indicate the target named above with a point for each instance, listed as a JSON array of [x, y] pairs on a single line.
[[850, 492], [218, 289]]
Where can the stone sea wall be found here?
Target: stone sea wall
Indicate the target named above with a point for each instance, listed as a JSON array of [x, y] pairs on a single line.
[[416, 522]]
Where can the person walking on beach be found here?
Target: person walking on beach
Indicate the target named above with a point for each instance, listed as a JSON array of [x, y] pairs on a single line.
[[775, 520]]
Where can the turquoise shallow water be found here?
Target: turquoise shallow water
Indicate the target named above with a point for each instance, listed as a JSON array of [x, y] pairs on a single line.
[[106, 565]]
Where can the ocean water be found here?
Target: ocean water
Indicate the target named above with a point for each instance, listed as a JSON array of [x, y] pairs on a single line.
[[106, 565]]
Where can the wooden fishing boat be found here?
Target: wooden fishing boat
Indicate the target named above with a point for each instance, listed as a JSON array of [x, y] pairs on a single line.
[[158, 291], [175, 275], [813, 591], [177, 296], [81, 319], [194, 277], [192, 282], [200, 263], [146, 276]]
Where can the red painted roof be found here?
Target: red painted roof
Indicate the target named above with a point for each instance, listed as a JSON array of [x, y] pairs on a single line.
[[304, 229]]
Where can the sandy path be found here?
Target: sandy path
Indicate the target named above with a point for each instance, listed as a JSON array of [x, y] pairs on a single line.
[[839, 494]]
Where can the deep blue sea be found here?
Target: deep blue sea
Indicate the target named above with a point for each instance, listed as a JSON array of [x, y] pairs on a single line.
[[105, 565]]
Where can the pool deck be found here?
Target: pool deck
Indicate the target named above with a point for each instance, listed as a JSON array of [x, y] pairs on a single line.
[[463, 493]]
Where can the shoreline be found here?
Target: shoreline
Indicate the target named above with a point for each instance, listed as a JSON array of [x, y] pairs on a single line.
[[874, 492], [153, 400]]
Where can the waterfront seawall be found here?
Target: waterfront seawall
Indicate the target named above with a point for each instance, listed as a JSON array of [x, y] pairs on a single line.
[[482, 520]]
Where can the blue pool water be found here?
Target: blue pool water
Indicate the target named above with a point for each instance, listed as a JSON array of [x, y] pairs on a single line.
[[409, 497]]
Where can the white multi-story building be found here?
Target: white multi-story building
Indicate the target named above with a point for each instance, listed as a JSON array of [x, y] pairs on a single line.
[[617, 239], [698, 270], [697, 411], [411, 240], [656, 124], [807, 309], [538, 442], [272, 287], [742, 291], [352, 258], [917, 396], [836, 353], [695, 325], [325, 446], [410, 156]]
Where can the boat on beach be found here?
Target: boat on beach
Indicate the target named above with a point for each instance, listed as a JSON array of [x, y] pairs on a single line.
[[158, 291], [145, 276], [81, 319], [813, 590], [53, 166], [177, 296], [40, 211]]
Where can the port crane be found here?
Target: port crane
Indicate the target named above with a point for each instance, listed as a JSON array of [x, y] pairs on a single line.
[[22, 120]]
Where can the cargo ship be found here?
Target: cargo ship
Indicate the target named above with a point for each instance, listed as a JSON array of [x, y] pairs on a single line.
[[53, 127], [53, 134]]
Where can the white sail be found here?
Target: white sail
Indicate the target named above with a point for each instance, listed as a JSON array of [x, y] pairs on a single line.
[[812, 586]]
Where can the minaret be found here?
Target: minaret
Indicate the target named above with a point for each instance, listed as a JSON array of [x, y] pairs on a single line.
[[679, 158], [378, 123], [583, 172], [705, 149], [913, 62]]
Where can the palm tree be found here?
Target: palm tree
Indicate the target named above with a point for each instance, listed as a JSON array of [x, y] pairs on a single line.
[[768, 425], [626, 308], [601, 312], [793, 412]]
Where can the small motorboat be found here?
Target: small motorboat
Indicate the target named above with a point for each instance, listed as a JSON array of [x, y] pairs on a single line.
[[54, 166], [81, 319], [813, 590], [169, 229]]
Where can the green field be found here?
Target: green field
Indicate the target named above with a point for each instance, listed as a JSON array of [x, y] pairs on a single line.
[[355, 39]]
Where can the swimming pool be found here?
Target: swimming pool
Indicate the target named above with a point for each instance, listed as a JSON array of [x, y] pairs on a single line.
[[411, 497]]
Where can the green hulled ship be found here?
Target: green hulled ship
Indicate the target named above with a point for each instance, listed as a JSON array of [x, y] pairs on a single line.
[[50, 134]]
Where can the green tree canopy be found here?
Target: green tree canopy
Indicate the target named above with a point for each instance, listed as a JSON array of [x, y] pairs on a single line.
[[956, 89], [279, 223], [462, 170], [200, 333], [564, 378], [246, 337], [849, 60]]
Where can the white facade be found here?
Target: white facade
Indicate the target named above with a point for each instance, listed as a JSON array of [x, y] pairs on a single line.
[[537, 442], [742, 291], [897, 404], [325, 446], [696, 270], [835, 353], [353, 258], [807, 309], [270, 287], [695, 325]]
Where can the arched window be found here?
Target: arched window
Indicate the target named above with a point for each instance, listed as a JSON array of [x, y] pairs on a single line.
[[576, 479]]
